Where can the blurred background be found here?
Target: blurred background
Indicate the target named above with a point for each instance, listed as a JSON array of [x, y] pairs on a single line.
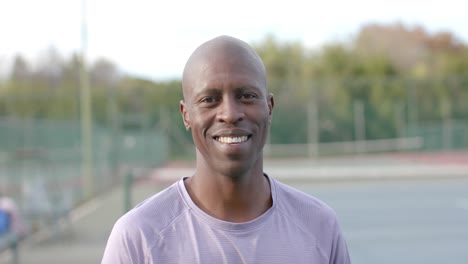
[[371, 116]]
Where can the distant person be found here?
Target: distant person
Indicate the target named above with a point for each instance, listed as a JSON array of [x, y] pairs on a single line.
[[229, 210], [11, 220], [4, 222]]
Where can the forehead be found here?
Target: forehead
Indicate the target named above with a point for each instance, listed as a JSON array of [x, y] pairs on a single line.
[[223, 63], [226, 73]]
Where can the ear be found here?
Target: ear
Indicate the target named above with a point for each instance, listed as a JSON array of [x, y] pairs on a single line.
[[271, 105], [185, 115]]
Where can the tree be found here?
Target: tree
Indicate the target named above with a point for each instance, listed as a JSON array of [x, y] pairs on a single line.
[[21, 70], [104, 73], [50, 68]]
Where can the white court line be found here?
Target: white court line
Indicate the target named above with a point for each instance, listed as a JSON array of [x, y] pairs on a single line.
[[462, 203], [75, 215], [85, 210]]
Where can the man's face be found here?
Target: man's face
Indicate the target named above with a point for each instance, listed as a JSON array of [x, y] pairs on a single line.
[[229, 111]]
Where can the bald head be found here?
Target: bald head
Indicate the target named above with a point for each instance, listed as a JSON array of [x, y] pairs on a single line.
[[222, 51]]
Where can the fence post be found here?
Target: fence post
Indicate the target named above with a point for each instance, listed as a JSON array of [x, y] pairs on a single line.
[[128, 182], [400, 123], [313, 129], [359, 127], [413, 112], [15, 253], [313, 120], [447, 126]]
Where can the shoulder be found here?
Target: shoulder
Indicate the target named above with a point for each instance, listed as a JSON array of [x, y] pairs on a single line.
[[313, 217], [134, 234], [154, 214], [304, 208]]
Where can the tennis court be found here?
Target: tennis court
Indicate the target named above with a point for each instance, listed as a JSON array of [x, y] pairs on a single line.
[[387, 217]]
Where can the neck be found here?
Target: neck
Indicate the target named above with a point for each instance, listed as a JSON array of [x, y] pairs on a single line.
[[233, 198]]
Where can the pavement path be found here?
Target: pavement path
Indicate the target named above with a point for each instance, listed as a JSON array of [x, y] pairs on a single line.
[[83, 240]]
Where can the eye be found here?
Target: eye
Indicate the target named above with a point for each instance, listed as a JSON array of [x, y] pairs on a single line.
[[249, 96], [208, 100]]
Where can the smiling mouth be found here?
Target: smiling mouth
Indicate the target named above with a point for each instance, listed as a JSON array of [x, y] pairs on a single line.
[[231, 139]]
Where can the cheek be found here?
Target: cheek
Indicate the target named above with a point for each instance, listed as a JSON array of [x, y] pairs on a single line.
[[266, 117], [263, 122], [199, 124]]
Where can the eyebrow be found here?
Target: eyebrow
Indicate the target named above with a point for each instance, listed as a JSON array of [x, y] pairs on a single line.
[[248, 87], [209, 91], [217, 91]]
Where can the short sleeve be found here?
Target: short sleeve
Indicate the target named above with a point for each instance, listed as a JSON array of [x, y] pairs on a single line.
[[339, 251], [123, 246]]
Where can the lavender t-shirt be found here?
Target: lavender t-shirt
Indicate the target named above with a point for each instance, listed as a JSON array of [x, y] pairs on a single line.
[[169, 228]]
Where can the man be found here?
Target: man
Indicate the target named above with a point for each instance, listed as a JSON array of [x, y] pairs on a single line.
[[229, 211]]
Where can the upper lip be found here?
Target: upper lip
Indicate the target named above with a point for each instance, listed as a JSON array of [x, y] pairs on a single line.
[[232, 133]]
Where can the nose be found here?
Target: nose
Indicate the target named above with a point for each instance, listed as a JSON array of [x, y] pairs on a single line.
[[230, 111]]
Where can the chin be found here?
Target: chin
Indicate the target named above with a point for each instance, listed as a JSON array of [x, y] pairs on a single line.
[[235, 169]]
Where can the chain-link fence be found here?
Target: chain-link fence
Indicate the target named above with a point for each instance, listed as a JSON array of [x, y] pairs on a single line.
[[42, 163], [346, 116], [137, 123]]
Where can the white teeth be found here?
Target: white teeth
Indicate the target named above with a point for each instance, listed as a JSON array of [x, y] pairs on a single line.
[[229, 140]]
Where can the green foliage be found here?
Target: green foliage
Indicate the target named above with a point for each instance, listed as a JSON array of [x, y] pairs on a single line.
[[403, 77]]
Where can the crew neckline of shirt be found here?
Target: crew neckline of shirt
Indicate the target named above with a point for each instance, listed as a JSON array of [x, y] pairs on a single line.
[[225, 225]]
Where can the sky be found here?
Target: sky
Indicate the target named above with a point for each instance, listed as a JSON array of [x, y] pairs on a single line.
[[153, 39]]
